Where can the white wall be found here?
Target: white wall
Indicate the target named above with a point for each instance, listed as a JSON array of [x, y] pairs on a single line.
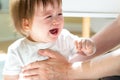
[[109, 6]]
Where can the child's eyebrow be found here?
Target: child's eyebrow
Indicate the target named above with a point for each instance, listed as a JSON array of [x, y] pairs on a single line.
[[50, 11], [47, 12]]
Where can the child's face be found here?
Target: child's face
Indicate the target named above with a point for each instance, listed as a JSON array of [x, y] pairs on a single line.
[[47, 24]]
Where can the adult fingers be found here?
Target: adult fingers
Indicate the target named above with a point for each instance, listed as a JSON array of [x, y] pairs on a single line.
[[54, 56], [35, 77], [42, 73], [39, 73], [51, 54], [34, 65]]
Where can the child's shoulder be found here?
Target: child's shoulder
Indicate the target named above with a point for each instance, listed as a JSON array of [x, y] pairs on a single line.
[[65, 31], [66, 34], [17, 43]]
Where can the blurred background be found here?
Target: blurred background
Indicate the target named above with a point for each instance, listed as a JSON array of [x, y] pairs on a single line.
[[72, 22]]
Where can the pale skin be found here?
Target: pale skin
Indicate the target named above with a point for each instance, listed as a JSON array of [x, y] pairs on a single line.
[[43, 22], [85, 47], [107, 38], [105, 65], [52, 69]]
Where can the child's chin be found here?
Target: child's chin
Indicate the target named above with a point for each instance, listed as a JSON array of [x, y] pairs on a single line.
[[53, 40]]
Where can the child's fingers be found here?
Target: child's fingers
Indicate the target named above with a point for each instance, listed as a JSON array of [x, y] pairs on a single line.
[[81, 52], [76, 44], [89, 44], [83, 44], [79, 45]]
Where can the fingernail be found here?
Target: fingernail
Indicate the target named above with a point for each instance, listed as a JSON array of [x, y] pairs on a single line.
[[41, 51]]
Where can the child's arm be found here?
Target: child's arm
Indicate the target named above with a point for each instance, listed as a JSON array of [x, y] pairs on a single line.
[[85, 47], [9, 77]]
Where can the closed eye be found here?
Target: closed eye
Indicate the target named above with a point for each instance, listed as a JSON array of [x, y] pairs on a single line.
[[60, 14], [49, 16]]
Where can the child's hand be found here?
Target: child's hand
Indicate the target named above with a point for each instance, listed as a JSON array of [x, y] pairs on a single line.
[[85, 47]]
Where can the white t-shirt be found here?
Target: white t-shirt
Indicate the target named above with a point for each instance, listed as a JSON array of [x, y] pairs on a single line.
[[23, 51]]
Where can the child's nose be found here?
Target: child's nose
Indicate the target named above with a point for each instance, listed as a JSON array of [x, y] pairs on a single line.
[[55, 22]]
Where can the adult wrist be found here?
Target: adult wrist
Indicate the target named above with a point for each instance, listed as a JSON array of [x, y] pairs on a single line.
[[71, 72]]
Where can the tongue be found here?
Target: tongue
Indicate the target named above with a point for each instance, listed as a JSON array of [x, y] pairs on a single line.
[[53, 31]]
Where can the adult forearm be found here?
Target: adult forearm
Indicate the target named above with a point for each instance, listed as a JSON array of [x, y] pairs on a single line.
[[107, 38], [105, 65]]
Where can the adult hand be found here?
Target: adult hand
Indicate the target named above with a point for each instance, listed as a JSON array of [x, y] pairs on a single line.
[[55, 68]]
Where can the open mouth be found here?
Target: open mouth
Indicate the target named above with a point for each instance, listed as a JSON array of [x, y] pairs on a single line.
[[54, 31]]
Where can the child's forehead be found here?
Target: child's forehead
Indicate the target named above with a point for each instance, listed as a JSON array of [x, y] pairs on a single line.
[[51, 3], [45, 3], [40, 10], [48, 7]]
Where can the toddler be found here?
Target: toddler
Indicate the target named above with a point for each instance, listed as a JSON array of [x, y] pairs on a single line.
[[41, 23]]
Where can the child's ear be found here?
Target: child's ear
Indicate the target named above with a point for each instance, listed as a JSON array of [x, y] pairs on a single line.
[[25, 24]]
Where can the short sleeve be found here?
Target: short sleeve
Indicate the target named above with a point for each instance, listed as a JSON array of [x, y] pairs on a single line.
[[12, 66]]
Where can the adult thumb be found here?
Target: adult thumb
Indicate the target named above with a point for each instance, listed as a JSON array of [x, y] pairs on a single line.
[[48, 53]]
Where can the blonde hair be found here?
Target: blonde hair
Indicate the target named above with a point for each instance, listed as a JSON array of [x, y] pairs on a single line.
[[24, 9]]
